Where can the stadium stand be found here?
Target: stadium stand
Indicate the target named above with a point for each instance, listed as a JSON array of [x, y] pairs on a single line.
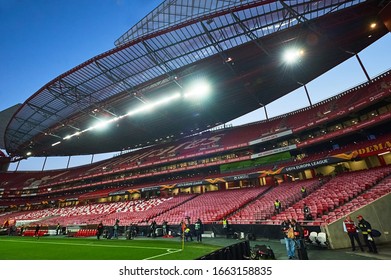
[[232, 172]]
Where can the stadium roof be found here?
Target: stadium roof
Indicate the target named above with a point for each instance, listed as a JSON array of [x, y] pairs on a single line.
[[137, 90], [5, 117]]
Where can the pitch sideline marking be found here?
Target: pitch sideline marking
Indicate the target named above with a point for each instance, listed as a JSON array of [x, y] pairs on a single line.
[[169, 251], [89, 244]]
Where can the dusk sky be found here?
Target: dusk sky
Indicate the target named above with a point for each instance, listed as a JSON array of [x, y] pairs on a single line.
[[41, 39]]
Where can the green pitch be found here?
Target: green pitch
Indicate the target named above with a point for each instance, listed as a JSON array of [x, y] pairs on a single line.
[[52, 248]]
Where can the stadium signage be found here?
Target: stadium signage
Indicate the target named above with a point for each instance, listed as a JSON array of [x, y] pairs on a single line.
[[190, 184], [240, 177], [72, 199], [307, 165], [377, 96], [274, 151], [28, 194], [342, 112], [329, 160], [30, 188], [321, 120], [358, 105], [270, 137], [118, 193], [150, 189], [204, 143], [375, 148], [334, 134]]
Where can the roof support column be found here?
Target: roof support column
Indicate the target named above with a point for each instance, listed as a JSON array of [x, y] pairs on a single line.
[[267, 117], [306, 92], [17, 166], [362, 67], [361, 64], [264, 108], [69, 159], [44, 163]]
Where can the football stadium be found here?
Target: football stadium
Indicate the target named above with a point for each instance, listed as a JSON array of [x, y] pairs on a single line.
[[314, 183]]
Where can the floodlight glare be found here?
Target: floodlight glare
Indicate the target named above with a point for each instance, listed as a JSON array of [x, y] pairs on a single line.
[[198, 90], [54, 144], [153, 105], [292, 55], [168, 99], [102, 124], [88, 129]]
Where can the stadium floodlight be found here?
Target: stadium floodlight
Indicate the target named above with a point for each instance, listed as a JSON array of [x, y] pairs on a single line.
[[72, 135], [134, 112], [198, 90], [102, 124], [28, 154], [54, 144], [152, 105], [88, 129], [167, 99], [292, 55]]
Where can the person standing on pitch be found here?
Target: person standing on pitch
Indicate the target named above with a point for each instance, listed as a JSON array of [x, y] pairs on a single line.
[[58, 229], [289, 235], [365, 228], [99, 230], [198, 228], [37, 228], [351, 229]]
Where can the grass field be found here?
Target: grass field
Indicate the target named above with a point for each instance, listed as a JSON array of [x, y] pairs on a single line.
[[63, 248]]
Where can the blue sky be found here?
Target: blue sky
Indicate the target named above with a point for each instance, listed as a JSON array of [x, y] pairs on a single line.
[[41, 39]]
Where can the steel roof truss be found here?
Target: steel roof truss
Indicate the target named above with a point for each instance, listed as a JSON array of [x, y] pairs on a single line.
[[42, 111], [216, 45], [58, 95], [31, 124], [114, 77], [156, 59], [250, 34], [78, 95], [300, 18]]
